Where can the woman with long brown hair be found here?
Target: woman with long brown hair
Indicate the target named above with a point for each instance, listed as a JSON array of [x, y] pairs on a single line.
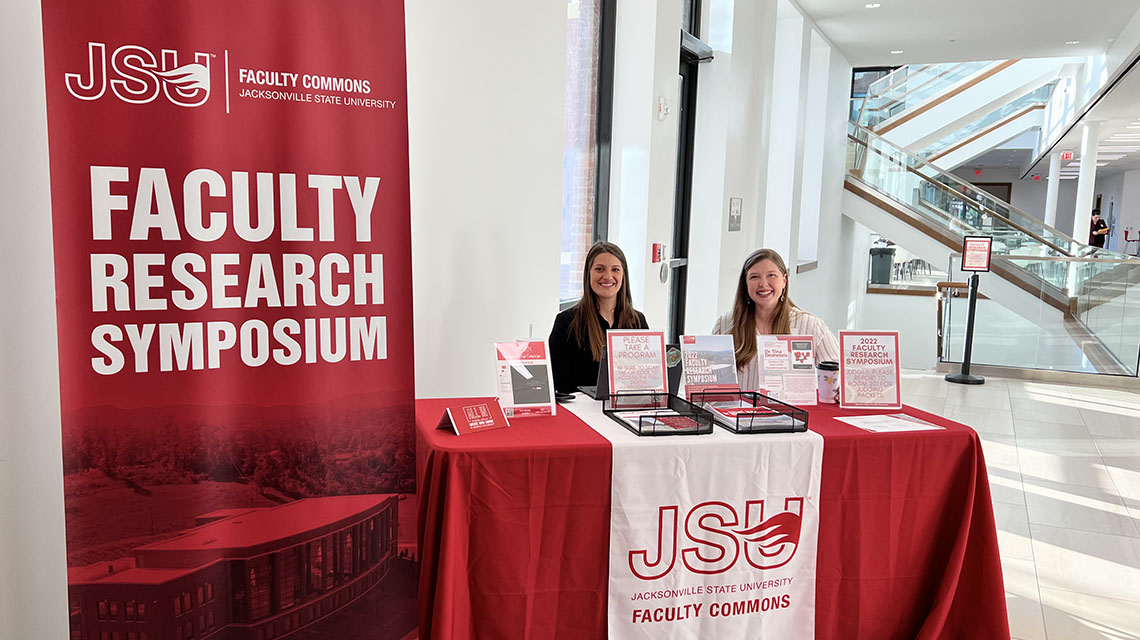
[[763, 307], [579, 333]]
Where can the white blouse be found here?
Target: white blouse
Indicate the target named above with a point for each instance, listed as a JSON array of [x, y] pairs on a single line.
[[803, 324]]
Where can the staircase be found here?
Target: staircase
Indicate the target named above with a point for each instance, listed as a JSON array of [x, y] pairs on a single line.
[[918, 105], [1039, 273]]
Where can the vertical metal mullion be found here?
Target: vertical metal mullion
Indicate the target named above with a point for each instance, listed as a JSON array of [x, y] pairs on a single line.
[[604, 132]]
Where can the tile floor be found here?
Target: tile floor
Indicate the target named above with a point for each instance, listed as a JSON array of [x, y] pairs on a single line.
[[1064, 467]]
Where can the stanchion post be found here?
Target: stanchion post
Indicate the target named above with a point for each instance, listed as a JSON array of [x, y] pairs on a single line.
[[964, 376]]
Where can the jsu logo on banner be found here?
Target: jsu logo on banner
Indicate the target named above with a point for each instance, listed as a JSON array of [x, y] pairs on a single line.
[[136, 75], [714, 538]]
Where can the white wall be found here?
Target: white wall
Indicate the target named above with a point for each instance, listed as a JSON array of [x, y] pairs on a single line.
[[738, 150], [1124, 45], [486, 182], [1130, 212], [1111, 192], [825, 290], [33, 575], [916, 320]]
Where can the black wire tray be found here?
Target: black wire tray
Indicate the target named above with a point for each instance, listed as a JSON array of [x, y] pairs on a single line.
[[656, 413], [749, 412]]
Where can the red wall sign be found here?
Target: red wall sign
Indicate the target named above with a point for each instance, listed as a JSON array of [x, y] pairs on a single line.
[[230, 211]]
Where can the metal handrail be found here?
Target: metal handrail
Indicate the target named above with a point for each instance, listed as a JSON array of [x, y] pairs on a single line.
[[989, 211], [986, 131], [1013, 256], [955, 179], [911, 90]]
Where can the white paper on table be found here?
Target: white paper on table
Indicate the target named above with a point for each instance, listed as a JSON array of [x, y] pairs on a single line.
[[888, 424]]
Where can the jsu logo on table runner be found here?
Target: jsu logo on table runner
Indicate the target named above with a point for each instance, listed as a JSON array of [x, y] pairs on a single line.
[[136, 75], [714, 538]]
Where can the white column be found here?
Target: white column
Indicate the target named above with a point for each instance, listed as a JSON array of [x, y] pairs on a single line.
[[33, 591], [1051, 193], [1086, 182]]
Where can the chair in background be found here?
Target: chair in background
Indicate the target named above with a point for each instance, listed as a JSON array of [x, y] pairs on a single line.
[[902, 268]]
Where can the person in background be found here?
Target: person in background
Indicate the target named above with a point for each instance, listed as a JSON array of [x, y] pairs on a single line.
[[762, 307], [1098, 232], [579, 333]]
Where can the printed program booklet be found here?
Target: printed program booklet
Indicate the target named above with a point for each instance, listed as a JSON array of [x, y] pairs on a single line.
[[656, 420], [740, 414], [788, 369], [708, 363], [526, 386]]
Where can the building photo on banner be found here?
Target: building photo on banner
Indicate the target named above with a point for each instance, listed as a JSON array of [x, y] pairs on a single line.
[[231, 215]]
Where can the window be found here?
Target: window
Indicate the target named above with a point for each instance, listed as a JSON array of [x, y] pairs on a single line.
[[177, 605], [586, 136], [132, 635], [201, 595], [131, 611], [104, 635], [103, 610], [114, 610], [210, 619], [142, 612], [259, 582], [210, 591], [185, 600], [75, 619], [188, 630]]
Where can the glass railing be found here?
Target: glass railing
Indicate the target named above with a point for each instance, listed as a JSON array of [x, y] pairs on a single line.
[[1036, 98], [912, 85], [957, 207], [1101, 336]]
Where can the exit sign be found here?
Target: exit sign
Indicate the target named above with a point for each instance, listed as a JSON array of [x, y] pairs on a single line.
[[1066, 155]]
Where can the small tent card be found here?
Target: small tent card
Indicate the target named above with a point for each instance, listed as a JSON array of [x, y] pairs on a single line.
[[708, 363], [869, 370], [636, 361], [788, 368], [471, 415], [526, 387]]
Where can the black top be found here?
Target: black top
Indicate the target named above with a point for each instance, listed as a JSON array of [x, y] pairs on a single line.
[[573, 363], [1097, 239]]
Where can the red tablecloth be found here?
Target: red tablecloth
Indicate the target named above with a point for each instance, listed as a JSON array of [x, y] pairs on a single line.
[[514, 528]]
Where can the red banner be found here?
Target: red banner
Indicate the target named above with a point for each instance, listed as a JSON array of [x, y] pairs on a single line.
[[233, 273]]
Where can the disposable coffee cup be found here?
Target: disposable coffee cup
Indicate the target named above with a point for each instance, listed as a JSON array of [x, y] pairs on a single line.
[[828, 373]]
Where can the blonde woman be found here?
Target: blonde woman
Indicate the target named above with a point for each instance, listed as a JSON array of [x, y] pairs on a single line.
[[762, 307]]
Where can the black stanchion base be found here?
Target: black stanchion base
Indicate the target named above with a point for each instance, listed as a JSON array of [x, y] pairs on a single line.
[[964, 378]]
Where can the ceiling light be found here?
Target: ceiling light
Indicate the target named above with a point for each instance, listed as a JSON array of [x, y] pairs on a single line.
[[872, 5], [1073, 42], [898, 51]]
